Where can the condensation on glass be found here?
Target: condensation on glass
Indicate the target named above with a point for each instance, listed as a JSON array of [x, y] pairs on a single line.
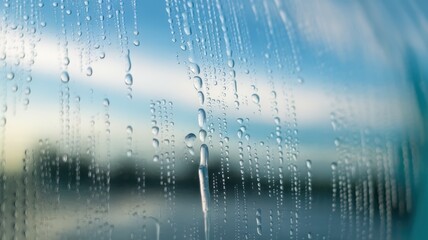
[[220, 119]]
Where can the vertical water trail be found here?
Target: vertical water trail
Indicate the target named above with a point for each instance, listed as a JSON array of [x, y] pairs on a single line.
[[204, 188]]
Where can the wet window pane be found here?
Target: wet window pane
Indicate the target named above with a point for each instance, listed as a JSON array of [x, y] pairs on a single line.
[[213, 119]]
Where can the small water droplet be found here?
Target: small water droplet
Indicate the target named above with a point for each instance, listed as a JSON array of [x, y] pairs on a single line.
[[65, 78], [64, 158], [2, 121], [155, 143], [202, 135], [202, 118], [155, 130], [337, 142], [308, 164], [231, 63], [259, 221], [197, 83], [129, 79], [89, 71], [10, 76], [128, 61], [255, 98], [190, 139], [194, 68], [201, 98], [129, 129], [106, 102], [333, 166]]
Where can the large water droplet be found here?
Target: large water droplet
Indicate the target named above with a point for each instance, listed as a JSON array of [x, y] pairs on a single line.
[[204, 187]]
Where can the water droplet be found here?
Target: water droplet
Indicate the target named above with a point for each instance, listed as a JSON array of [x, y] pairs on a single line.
[[2, 121], [333, 166], [187, 30], [197, 83], [155, 143], [204, 155], [337, 142], [231, 63], [155, 158], [128, 61], [202, 118], [64, 158], [89, 71], [129, 129], [239, 133], [129, 79], [190, 139], [10, 76], [255, 98], [308, 164], [194, 68], [202, 135], [65, 78], [106, 102], [259, 221], [201, 98], [155, 130]]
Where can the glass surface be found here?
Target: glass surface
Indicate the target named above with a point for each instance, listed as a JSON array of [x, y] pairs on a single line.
[[213, 119]]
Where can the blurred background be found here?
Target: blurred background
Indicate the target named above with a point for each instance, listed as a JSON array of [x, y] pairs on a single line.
[[213, 119]]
